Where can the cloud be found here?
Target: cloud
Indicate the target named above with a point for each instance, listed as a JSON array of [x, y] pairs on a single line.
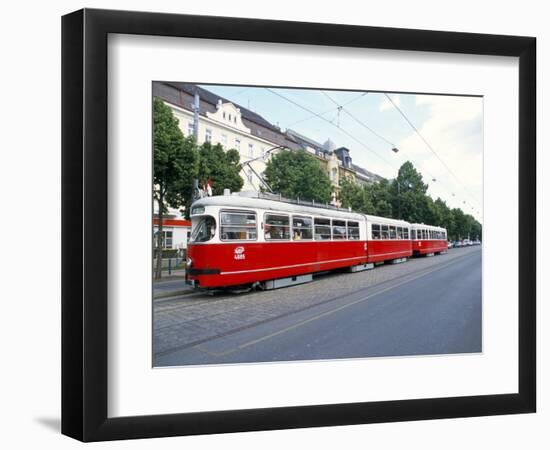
[[454, 129]]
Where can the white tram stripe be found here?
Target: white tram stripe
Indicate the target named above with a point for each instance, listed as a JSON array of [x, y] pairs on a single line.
[[294, 265]]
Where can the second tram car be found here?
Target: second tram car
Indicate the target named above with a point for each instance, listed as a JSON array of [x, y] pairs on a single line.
[[428, 240], [239, 240]]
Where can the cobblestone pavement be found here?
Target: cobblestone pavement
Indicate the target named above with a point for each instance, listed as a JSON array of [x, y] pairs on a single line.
[[186, 321]]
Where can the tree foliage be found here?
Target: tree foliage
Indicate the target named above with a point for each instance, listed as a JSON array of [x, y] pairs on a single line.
[[173, 160], [405, 197], [179, 161], [221, 167], [296, 174]]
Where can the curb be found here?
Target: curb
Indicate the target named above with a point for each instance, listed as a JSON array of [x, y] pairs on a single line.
[[173, 293]]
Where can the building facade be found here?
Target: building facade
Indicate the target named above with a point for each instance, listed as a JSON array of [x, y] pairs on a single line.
[[231, 126], [220, 121], [176, 232]]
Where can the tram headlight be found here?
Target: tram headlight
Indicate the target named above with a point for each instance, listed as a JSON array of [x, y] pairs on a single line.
[[189, 262]]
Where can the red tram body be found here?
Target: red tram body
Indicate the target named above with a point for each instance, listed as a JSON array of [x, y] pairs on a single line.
[[427, 239], [238, 240]]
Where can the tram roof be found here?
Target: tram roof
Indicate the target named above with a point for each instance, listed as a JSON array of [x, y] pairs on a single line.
[[427, 227], [386, 220], [283, 205], [270, 202]]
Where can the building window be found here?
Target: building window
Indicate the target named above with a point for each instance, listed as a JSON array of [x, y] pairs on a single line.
[[208, 135], [238, 145], [230, 117], [251, 150], [249, 176], [224, 114], [190, 129], [263, 152], [167, 239], [224, 140]]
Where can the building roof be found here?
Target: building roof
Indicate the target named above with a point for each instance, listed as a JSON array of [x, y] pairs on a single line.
[[181, 94], [301, 140], [210, 97], [366, 173]]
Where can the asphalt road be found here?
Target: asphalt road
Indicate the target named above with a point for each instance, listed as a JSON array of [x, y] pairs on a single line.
[[425, 306]]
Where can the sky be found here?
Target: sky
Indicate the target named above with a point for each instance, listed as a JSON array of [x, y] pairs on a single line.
[[447, 148]]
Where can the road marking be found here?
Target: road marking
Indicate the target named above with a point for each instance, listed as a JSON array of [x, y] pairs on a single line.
[[327, 313]]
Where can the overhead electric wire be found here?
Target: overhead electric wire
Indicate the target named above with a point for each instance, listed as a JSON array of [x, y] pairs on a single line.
[[328, 121], [364, 125], [318, 115], [327, 111], [430, 147]]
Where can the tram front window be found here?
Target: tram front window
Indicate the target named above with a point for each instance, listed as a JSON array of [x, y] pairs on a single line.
[[203, 229]]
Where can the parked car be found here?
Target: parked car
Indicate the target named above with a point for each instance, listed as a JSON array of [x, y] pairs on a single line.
[[450, 244]]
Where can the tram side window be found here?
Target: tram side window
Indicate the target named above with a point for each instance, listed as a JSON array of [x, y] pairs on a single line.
[[413, 235], [238, 226], [338, 229], [322, 229], [393, 234], [385, 232], [301, 228], [353, 230], [399, 232], [276, 227], [376, 231], [405, 233]]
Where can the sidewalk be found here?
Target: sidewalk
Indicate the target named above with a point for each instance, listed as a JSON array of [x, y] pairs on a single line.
[[171, 285]]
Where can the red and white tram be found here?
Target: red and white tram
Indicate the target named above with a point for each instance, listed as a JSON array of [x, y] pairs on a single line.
[[240, 240], [428, 240]]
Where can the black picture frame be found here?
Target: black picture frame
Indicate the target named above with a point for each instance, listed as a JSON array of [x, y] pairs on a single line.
[[84, 224]]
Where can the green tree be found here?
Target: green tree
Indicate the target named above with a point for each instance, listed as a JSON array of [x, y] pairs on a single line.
[[381, 198], [174, 160], [219, 166], [296, 174], [408, 195], [357, 197]]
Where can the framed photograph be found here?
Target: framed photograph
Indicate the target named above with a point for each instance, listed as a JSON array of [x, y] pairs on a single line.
[[273, 225]]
